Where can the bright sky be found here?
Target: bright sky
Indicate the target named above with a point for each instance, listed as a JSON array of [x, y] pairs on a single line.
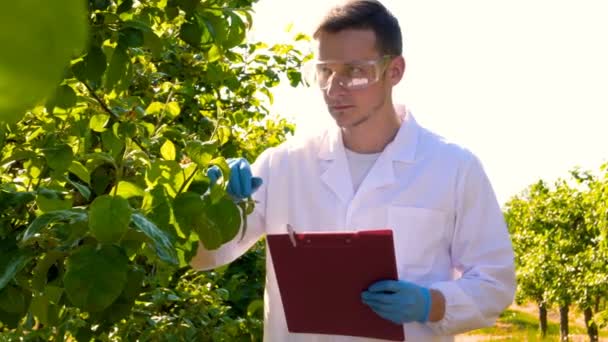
[[522, 83]]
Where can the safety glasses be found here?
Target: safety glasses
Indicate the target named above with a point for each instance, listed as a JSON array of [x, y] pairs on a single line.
[[353, 75]]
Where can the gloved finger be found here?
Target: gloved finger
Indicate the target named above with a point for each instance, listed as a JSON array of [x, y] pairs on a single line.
[[378, 297], [385, 286], [245, 179], [256, 182], [234, 187], [213, 173], [232, 161], [388, 315], [379, 305]]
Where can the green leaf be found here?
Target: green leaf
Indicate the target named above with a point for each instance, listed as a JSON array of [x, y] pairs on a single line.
[[40, 308], [103, 176], [48, 200], [214, 223], [64, 97], [95, 277], [98, 122], [155, 108], [95, 64], [301, 36], [82, 189], [201, 152], [100, 4], [59, 158], [123, 305], [41, 270], [131, 37], [223, 217], [15, 199], [173, 109], [18, 155], [17, 260], [187, 207], [236, 33], [191, 33], [216, 25], [188, 6], [37, 43], [10, 320], [166, 172], [295, 77], [109, 218], [118, 67], [113, 144], [254, 307], [224, 134], [42, 221], [127, 130], [125, 6], [128, 190], [80, 171], [162, 243], [167, 151], [154, 43], [157, 208], [13, 300], [214, 54]]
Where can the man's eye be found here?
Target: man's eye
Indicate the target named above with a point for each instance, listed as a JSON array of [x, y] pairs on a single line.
[[356, 71], [323, 71]]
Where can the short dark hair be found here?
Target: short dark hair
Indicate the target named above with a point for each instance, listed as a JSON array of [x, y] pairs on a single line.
[[365, 14]]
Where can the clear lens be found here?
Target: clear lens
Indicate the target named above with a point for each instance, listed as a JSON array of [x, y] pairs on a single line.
[[350, 75]]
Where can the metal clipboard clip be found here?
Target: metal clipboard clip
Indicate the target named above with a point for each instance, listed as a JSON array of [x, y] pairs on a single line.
[[292, 234]]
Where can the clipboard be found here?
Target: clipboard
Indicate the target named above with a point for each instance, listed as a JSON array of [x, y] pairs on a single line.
[[321, 276]]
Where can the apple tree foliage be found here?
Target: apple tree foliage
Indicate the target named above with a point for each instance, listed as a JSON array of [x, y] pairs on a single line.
[[103, 190], [559, 235]]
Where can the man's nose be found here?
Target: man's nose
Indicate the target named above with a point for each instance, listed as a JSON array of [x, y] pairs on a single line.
[[334, 87]]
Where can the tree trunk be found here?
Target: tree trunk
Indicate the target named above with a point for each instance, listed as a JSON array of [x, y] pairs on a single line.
[[542, 318], [591, 327], [563, 323]]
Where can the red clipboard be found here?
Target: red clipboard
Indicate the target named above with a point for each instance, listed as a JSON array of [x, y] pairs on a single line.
[[321, 278]]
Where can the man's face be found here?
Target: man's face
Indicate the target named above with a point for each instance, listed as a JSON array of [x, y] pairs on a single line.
[[345, 50]]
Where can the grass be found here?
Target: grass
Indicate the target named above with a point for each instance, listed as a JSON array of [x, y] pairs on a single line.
[[514, 325]]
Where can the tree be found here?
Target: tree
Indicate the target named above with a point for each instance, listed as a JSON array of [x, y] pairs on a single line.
[[103, 192], [529, 234], [557, 237], [596, 277]]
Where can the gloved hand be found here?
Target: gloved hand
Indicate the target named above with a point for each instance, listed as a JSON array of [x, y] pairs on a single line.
[[241, 184], [398, 301]]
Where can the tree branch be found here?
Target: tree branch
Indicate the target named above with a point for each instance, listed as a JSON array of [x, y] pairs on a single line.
[[100, 101], [109, 111]]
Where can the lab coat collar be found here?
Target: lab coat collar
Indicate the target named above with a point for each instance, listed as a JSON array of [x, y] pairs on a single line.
[[402, 148]]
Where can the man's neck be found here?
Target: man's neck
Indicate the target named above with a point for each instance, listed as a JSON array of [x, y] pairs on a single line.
[[373, 135]]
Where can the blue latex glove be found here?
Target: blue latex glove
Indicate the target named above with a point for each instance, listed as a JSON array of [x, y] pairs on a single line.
[[398, 301], [241, 184]]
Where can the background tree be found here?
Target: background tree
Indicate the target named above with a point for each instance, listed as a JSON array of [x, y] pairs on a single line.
[[558, 243]]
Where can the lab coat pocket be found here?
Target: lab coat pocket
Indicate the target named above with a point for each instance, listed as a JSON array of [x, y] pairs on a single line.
[[419, 235]]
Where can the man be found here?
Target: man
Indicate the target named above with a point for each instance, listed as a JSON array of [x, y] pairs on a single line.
[[379, 168]]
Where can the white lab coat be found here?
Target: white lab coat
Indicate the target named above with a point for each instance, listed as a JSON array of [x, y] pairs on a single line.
[[448, 227]]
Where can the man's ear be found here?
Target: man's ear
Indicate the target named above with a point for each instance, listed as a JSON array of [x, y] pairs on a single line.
[[396, 70]]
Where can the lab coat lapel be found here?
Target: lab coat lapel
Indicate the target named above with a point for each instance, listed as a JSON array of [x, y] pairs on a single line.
[[401, 150], [335, 173], [380, 175]]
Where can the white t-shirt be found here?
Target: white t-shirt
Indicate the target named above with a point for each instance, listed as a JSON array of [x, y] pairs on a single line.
[[359, 165]]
